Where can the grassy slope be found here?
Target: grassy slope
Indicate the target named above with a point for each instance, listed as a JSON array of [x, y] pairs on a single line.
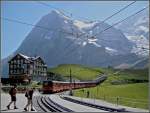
[[78, 71], [125, 90], [134, 95]]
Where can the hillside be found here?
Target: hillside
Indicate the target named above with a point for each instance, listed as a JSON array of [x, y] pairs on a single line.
[[130, 85], [78, 71], [115, 76]]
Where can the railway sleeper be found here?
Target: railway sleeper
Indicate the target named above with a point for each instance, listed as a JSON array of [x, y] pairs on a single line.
[[94, 105], [40, 104], [36, 105], [64, 109], [48, 105]]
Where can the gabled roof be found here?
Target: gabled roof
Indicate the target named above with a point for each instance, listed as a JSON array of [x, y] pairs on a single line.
[[31, 59], [38, 57], [24, 56]]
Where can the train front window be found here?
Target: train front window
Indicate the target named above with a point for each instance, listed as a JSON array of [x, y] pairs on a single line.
[[45, 83]]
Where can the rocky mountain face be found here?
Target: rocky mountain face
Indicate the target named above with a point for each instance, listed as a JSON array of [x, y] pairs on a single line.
[[136, 29], [61, 40]]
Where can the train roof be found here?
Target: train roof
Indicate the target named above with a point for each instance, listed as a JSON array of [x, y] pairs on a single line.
[[98, 80]]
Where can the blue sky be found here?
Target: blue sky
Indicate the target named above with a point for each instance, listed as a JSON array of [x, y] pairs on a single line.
[[12, 34]]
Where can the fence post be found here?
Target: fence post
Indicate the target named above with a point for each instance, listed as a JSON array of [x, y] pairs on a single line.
[[117, 101], [94, 98]]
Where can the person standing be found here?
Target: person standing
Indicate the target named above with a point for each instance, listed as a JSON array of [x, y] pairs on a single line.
[[88, 93], [29, 95], [12, 93]]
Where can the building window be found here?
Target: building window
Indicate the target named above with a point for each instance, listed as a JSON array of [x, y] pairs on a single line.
[[11, 71], [16, 71], [21, 61], [18, 61], [11, 66]]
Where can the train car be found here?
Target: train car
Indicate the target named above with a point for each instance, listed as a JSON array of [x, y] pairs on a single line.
[[59, 86], [47, 87]]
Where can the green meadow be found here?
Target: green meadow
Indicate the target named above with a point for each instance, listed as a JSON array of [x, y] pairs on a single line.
[[125, 87], [133, 95]]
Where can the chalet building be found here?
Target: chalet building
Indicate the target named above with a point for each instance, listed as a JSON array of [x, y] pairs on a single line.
[[24, 69]]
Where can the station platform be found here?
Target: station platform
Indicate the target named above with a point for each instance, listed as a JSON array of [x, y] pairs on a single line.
[[73, 106], [20, 103], [107, 104]]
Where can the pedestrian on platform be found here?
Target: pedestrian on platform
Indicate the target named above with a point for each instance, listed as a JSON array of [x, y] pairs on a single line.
[[88, 93], [12, 93], [29, 95]]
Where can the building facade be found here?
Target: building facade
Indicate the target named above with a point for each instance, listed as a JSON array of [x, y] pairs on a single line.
[[23, 68]]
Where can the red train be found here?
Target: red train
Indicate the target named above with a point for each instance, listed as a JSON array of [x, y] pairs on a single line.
[[59, 86]]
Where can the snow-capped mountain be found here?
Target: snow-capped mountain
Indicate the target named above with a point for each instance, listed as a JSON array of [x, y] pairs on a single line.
[[64, 30], [141, 45], [60, 39], [136, 29]]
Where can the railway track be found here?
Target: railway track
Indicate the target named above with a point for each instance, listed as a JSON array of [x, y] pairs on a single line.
[[64, 109], [38, 105], [45, 104], [109, 109]]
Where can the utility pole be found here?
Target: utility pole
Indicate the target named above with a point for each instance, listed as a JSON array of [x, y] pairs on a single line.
[[70, 83], [97, 90]]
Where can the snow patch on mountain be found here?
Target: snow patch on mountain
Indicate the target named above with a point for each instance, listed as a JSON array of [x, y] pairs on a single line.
[[94, 42], [141, 45], [84, 25], [84, 43], [111, 51], [142, 28], [66, 21], [48, 35], [136, 29], [142, 20], [55, 13]]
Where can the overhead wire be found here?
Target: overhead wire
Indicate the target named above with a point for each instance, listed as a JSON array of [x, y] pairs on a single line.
[[111, 27], [125, 7], [109, 17], [71, 23], [94, 26], [60, 10], [29, 24], [122, 20]]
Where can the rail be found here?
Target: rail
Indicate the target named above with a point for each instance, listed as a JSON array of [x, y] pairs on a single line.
[[49, 106], [61, 107], [40, 106], [94, 105], [45, 104]]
